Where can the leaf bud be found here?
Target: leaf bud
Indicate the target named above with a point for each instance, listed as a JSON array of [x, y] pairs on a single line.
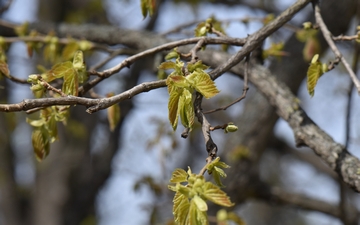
[[231, 128]]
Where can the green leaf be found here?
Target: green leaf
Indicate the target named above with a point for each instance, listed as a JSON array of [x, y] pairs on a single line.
[[178, 176], [172, 55], [4, 69], [71, 83], [195, 66], [202, 29], [314, 72], [147, 7], [173, 106], [59, 70], [180, 208], [79, 66], [236, 219], [69, 50], [186, 109], [202, 82], [200, 203], [167, 65], [36, 123], [22, 30], [51, 127], [113, 114], [40, 143], [196, 217], [214, 194], [177, 81]]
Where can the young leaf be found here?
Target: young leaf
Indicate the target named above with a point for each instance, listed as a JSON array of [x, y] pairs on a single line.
[[202, 82], [71, 82], [180, 208], [214, 194], [113, 114], [195, 66], [69, 50], [178, 176], [186, 109], [79, 66], [177, 81], [147, 6], [313, 74], [196, 216], [200, 203], [40, 144], [167, 65], [59, 70], [173, 106], [4, 69]]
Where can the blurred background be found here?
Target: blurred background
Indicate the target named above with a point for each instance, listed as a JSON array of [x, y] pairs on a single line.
[[94, 176]]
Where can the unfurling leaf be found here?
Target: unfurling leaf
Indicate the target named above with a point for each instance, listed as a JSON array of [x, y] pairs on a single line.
[[113, 114], [71, 82], [59, 70], [200, 203], [196, 216], [40, 143], [4, 69], [315, 71], [79, 66], [172, 55], [276, 50], [186, 109], [69, 50], [173, 107], [147, 7], [214, 194], [178, 176], [180, 208], [214, 168], [202, 82]]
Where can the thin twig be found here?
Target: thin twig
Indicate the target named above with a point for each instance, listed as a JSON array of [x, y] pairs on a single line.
[[245, 89], [49, 87], [208, 161], [130, 60], [328, 37]]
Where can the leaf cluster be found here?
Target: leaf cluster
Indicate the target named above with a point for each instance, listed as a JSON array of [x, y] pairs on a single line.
[[190, 199], [181, 83], [45, 129], [147, 7]]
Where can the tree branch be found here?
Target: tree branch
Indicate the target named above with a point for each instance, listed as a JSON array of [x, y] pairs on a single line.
[[328, 37]]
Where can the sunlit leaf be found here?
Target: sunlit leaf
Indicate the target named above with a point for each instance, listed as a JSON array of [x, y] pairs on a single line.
[[313, 74], [40, 143], [173, 107], [186, 109], [214, 194], [196, 217], [51, 49], [202, 82], [194, 66], [172, 55], [178, 176], [4, 69], [59, 70], [71, 83], [69, 50], [200, 203], [79, 66], [167, 65], [113, 114], [180, 208], [202, 29]]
